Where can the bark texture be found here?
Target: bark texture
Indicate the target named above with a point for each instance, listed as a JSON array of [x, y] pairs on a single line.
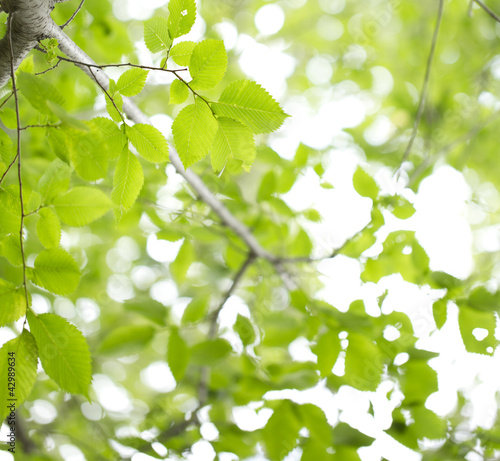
[[29, 22]]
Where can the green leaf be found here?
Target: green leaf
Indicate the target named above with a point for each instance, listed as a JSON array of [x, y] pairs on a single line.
[[194, 130], [132, 81], [54, 181], [9, 118], [127, 183], [245, 330], [88, 156], [195, 310], [208, 64], [363, 364], [403, 209], [471, 319], [56, 271], [38, 91], [181, 53], [343, 434], [210, 352], [179, 92], [233, 140], [184, 259], [113, 137], [63, 352], [281, 431], [418, 381], [156, 34], [327, 349], [250, 104], [11, 249], [439, 312], [126, 340], [481, 299], [149, 142], [81, 205], [6, 145], [364, 184], [181, 18], [48, 228], [18, 371], [12, 302], [177, 354]]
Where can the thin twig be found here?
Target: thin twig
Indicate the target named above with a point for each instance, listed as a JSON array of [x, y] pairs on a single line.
[[488, 10], [19, 175], [73, 15], [425, 86]]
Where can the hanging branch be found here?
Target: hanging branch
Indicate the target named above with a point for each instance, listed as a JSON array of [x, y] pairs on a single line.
[[488, 10], [18, 156], [425, 86]]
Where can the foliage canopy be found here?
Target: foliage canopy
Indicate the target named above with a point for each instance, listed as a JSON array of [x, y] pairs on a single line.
[[164, 303]]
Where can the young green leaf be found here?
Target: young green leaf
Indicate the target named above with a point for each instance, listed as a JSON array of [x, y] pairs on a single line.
[[56, 271], [81, 205], [208, 64], [210, 352], [6, 148], [195, 310], [181, 18], [281, 431], [184, 259], [54, 181], [181, 53], [11, 249], [245, 330], [18, 371], [48, 228], [178, 92], [12, 302], [63, 352], [364, 184], [363, 363], [194, 130], [327, 349], [127, 183], [113, 137], [177, 354], [127, 339], [247, 102], [232, 141], [87, 155], [132, 81], [149, 142], [9, 118], [38, 91], [156, 34]]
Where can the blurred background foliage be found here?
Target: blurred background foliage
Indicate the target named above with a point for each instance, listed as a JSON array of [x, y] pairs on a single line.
[[152, 283]]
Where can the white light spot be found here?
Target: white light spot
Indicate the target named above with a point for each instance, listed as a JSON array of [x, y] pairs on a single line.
[[87, 309], [380, 131], [164, 292], [43, 412], [269, 19], [330, 28], [209, 431], [318, 70], [41, 305], [162, 250], [391, 333], [158, 377], [71, 453], [91, 411], [64, 307], [143, 277], [228, 32], [112, 397], [382, 81], [332, 6], [120, 288], [480, 333], [248, 419]]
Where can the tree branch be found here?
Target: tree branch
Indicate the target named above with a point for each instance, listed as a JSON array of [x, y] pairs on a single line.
[[425, 86], [488, 10]]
